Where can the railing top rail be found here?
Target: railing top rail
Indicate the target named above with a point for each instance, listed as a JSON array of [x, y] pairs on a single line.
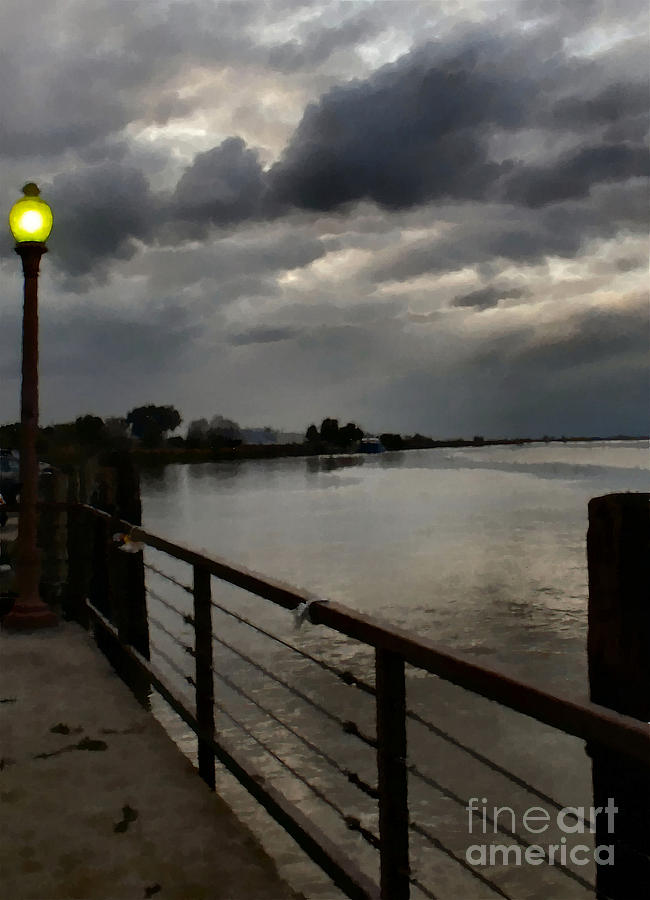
[[580, 718]]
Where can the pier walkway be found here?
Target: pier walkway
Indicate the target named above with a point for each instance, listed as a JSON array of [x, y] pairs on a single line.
[[96, 800]]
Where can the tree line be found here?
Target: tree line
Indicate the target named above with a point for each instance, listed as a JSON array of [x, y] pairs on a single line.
[[149, 427]]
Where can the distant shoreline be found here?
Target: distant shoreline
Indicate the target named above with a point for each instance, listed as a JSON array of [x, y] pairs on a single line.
[[171, 455]]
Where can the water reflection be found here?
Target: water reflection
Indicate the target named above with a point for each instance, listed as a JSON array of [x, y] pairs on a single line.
[[316, 464], [480, 548]]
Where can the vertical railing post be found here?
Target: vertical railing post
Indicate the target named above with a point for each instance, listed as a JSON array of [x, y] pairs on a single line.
[[204, 676], [392, 775], [618, 544], [79, 552], [128, 605]]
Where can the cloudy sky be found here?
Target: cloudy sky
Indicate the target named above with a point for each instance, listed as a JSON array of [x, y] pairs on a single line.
[[421, 216]]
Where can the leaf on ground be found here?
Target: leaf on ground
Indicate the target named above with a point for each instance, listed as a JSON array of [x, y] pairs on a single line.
[[153, 889], [89, 744], [129, 814], [60, 729]]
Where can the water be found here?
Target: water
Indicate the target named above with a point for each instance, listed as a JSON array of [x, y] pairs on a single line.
[[481, 549]]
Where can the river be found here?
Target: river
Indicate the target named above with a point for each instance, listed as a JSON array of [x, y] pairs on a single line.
[[479, 548]]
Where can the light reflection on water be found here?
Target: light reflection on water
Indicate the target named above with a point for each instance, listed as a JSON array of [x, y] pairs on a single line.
[[481, 549]]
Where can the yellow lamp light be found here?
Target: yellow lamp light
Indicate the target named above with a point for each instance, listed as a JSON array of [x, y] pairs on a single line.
[[30, 218]]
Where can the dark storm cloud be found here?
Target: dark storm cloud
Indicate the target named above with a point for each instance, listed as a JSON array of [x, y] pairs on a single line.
[[418, 130], [610, 105], [408, 134], [487, 297], [224, 185], [574, 174], [413, 132], [99, 210]]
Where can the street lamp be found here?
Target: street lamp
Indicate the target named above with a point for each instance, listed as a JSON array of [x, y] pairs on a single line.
[[30, 221]]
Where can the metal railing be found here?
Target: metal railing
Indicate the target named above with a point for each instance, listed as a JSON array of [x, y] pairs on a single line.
[[111, 605]]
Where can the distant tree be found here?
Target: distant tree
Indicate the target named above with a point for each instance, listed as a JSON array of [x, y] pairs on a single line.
[[10, 436], [90, 430], [392, 441], [329, 430], [150, 423], [197, 433], [312, 436], [223, 432], [349, 434], [117, 432]]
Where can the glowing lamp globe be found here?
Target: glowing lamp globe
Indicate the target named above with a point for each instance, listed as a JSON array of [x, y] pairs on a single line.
[[30, 218]]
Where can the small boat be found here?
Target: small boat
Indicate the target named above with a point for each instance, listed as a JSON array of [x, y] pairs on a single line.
[[371, 445]]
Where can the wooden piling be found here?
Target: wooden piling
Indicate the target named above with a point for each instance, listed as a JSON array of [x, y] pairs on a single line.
[[618, 552], [392, 781]]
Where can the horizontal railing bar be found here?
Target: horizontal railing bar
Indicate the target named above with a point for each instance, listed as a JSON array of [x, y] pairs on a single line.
[[343, 870], [582, 719], [170, 606], [425, 833], [490, 763], [322, 796], [425, 890], [158, 651], [343, 675], [352, 777], [285, 684], [157, 571], [524, 842], [170, 634]]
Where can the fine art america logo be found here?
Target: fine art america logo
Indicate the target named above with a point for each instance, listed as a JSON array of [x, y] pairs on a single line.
[[572, 820]]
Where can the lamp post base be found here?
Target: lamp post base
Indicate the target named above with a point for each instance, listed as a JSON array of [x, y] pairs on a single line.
[[29, 616]]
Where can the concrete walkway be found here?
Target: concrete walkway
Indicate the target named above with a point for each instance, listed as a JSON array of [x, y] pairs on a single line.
[[96, 800]]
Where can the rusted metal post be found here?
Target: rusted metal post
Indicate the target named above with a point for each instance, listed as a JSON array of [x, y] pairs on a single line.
[[392, 775], [29, 611], [204, 676], [618, 551]]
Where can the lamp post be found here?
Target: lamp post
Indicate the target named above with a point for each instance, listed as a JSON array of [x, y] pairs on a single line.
[[30, 221]]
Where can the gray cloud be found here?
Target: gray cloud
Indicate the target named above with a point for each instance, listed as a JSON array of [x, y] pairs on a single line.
[[486, 297], [408, 134], [320, 43], [574, 174], [99, 212], [262, 336], [222, 186]]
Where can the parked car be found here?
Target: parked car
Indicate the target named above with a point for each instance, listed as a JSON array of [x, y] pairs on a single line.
[[9, 475]]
